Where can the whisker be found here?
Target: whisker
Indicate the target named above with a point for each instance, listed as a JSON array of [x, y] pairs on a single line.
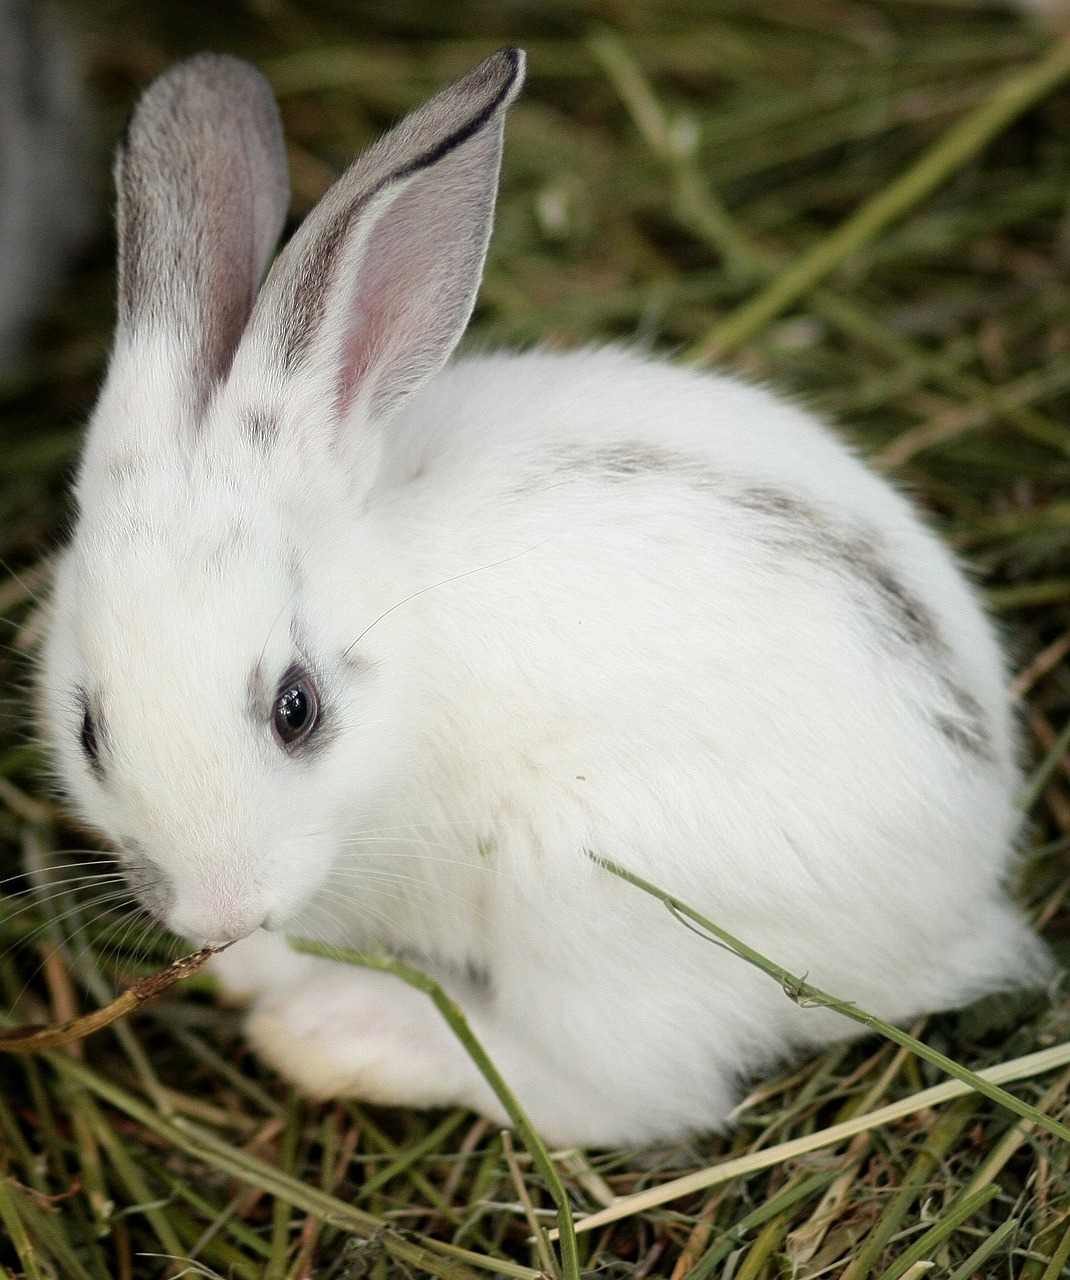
[[35, 895], [467, 573], [60, 867], [29, 941]]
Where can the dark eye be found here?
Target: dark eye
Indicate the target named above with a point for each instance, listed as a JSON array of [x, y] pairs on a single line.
[[90, 744], [297, 710]]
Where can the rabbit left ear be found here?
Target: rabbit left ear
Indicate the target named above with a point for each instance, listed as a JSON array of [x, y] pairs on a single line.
[[203, 188], [373, 292]]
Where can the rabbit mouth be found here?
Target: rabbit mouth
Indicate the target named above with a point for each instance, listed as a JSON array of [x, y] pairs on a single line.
[[213, 923]]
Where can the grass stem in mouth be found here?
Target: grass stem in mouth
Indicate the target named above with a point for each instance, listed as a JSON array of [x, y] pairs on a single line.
[[35, 1039]]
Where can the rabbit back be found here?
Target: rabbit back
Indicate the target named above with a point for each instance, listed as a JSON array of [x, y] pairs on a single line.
[[666, 617]]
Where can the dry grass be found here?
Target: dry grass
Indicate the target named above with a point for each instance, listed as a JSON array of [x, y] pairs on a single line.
[[789, 183]]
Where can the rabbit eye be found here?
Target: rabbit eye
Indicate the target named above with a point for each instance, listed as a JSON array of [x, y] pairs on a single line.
[[90, 742], [297, 710]]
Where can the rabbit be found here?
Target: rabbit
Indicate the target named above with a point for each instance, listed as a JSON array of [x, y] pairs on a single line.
[[358, 642], [46, 204]]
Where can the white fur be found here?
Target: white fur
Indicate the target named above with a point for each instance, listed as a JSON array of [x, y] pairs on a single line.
[[550, 614]]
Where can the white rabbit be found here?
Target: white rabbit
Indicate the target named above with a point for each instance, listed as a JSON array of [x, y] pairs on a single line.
[[45, 205], [356, 644]]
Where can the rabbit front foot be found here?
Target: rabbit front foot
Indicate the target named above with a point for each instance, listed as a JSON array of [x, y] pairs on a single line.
[[357, 1033]]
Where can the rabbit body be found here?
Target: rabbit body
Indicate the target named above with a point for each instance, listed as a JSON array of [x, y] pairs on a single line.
[[550, 605]]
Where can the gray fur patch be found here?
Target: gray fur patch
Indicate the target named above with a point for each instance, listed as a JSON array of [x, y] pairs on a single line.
[[469, 972], [853, 554], [258, 697], [966, 730], [357, 662], [262, 428], [149, 883], [783, 506], [615, 463], [307, 288]]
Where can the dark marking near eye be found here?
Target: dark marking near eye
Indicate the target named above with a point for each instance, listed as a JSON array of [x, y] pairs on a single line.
[[297, 739], [324, 734], [357, 662], [91, 733], [258, 702]]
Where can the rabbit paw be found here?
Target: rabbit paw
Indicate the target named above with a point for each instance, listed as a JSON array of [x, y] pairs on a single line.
[[366, 1035]]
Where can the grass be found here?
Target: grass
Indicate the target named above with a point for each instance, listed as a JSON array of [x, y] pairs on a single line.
[[868, 205]]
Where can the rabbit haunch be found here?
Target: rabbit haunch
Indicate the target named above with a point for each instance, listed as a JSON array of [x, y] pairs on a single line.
[[355, 643]]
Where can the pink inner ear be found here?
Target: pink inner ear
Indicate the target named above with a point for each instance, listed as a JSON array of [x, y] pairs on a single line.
[[404, 301], [362, 351]]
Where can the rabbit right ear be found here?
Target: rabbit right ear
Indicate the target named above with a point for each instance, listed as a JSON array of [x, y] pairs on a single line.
[[373, 292], [203, 189]]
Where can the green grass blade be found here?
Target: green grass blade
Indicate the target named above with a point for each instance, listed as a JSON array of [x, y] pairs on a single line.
[[803, 993], [933, 168], [458, 1024]]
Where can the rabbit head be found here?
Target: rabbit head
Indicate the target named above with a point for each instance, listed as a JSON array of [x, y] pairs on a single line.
[[194, 679]]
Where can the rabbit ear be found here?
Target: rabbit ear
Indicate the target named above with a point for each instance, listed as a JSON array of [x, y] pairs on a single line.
[[372, 294], [203, 189]]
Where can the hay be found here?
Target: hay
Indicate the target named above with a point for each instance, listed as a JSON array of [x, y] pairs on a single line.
[[839, 197]]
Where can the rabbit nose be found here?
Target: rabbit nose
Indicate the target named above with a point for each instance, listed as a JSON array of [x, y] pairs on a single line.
[[215, 923]]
